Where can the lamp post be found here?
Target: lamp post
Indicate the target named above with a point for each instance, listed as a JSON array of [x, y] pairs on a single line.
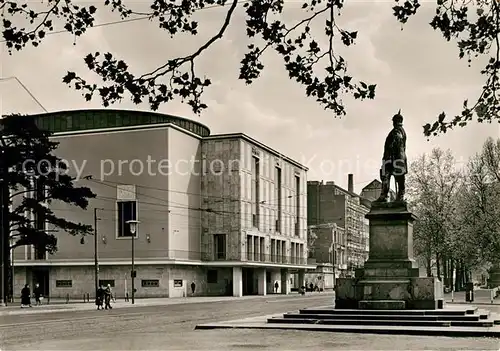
[[133, 229], [96, 252]]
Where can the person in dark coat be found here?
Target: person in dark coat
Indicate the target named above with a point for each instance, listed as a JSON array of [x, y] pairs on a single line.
[[37, 291], [193, 287], [107, 297], [99, 298], [26, 296]]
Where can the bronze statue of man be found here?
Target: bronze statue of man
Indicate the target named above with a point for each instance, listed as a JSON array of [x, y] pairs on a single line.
[[394, 162]]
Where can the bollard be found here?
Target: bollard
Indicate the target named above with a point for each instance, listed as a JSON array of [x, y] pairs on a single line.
[[67, 298]]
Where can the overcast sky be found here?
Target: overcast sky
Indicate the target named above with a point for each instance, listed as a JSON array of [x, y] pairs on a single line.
[[415, 70]]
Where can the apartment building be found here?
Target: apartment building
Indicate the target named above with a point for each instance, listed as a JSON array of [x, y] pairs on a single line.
[[224, 212], [329, 203]]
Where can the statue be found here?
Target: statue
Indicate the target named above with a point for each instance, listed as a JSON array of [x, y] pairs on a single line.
[[394, 161]]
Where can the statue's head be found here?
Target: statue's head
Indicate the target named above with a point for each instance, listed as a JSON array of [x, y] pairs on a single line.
[[397, 120]]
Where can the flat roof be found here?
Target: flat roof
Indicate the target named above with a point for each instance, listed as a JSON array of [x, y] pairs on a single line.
[[89, 119], [256, 143]]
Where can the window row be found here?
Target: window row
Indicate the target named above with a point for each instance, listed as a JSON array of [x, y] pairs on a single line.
[[145, 283]]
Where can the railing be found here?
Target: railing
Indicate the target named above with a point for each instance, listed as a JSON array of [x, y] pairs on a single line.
[[283, 259]]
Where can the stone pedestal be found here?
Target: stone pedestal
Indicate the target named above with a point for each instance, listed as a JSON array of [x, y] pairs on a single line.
[[390, 277]]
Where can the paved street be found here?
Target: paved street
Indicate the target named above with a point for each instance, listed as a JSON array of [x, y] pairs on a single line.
[[171, 327]]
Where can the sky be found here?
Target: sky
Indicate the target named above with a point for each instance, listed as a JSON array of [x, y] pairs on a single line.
[[415, 70]]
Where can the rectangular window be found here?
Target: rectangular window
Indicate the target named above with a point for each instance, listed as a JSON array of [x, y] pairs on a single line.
[[127, 211], [211, 276], [40, 251], [220, 246], [249, 248], [297, 206], [255, 191], [150, 283], [279, 196], [106, 282], [64, 283]]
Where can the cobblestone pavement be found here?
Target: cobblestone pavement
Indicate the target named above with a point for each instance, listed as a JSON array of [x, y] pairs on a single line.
[[171, 327]]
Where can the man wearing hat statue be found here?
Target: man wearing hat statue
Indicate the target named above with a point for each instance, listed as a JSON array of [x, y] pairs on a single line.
[[394, 161]]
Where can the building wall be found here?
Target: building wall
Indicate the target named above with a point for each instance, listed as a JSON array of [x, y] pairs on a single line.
[[184, 196], [229, 195], [114, 158], [82, 278], [220, 188]]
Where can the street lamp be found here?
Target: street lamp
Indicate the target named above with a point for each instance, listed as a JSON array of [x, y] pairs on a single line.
[[133, 229]]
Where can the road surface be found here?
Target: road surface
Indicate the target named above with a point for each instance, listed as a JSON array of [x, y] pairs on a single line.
[[171, 327]]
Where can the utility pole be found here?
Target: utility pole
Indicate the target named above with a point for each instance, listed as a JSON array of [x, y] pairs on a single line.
[[96, 254]]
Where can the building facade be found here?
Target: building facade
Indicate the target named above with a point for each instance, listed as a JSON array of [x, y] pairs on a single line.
[[329, 249], [153, 168], [329, 203]]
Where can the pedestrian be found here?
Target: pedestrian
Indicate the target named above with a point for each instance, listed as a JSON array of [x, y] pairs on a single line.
[[107, 297], [193, 287], [99, 298], [276, 286], [37, 291], [26, 296]]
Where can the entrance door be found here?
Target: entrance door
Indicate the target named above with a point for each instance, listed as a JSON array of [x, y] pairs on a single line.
[[41, 276], [249, 287]]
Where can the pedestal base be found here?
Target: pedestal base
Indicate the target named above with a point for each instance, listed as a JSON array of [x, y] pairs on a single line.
[[416, 293], [390, 278]]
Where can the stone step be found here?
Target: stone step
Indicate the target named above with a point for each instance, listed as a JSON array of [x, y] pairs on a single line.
[[483, 323], [360, 322], [444, 312], [385, 317]]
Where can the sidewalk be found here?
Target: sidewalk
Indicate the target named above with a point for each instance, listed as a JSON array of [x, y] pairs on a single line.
[[459, 298], [120, 303]]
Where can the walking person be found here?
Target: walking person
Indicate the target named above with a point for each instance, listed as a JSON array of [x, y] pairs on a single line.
[[37, 291], [99, 298], [193, 287], [107, 297], [276, 286], [26, 296]]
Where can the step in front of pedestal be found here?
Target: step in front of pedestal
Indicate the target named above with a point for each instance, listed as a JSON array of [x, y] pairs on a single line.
[[470, 318], [380, 322], [443, 312]]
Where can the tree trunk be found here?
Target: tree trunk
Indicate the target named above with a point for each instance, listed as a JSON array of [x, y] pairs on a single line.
[[445, 271], [428, 266], [452, 286]]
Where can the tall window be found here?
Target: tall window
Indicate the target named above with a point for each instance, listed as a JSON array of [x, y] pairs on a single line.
[[280, 198], [255, 191], [39, 194], [220, 246], [297, 206], [127, 211]]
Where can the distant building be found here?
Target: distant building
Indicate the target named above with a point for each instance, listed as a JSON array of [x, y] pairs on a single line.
[[329, 249], [329, 203], [372, 191]]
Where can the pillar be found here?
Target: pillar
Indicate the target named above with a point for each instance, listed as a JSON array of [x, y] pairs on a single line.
[[285, 281], [237, 282], [261, 277], [302, 278]]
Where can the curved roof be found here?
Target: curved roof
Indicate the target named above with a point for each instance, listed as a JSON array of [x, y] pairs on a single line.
[[79, 120]]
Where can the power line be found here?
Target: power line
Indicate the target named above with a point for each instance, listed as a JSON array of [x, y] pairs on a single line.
[[26, 89], [128, 20]]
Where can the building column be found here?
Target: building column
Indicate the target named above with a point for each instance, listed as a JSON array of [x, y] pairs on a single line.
[[261, 278], [285, 281], [237, 282], [302, 278]]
